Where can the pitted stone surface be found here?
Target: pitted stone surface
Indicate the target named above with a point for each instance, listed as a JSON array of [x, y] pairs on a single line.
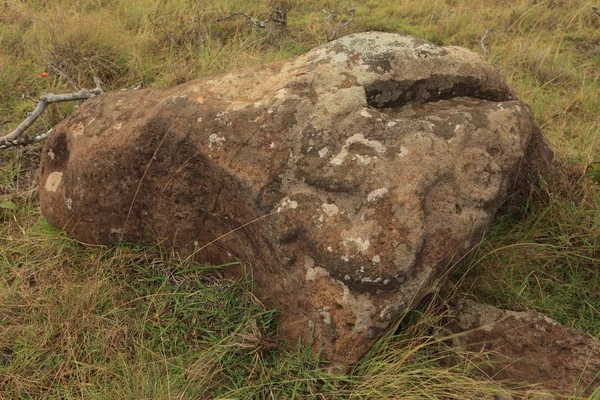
[[349, 178]]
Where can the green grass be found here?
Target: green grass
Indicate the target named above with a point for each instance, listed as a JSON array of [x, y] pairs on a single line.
[[543, 257], [126, 322], [129, 322]]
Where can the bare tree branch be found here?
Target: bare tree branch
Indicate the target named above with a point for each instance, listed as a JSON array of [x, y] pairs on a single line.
[[28, 97], [25, 140], [331, 17], [278, 14], [45, 100], [482, 42], [254, 21]]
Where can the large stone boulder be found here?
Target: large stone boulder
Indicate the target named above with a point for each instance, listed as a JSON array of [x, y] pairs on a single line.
[[348, 179]]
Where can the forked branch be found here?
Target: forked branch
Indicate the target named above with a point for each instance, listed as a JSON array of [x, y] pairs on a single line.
[[24, 141], [278, 14], [45, 99], [335, 23]]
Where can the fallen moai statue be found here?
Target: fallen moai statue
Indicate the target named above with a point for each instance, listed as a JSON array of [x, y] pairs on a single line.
[[349, 179]]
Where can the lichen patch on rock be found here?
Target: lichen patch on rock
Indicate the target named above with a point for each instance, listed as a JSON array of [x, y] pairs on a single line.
[[52, 181]]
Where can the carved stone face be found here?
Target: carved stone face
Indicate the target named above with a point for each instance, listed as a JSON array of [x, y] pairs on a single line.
[[350, 179]]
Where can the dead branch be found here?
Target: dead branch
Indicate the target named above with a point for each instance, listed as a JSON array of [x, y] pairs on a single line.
[[340, 23], [277, 14], [482, 42], [596, 10], [45, 100], [254, 21], [28, 97], [492, 32], [25, 140]]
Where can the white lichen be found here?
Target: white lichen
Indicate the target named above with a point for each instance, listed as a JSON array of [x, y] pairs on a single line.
[[361, 306], [356, 138], [364, 160], [287, 204], [368, 279], [222, 118], [53, 180], [376, 194], [324, 312], [330, 209], [316, 272], [215, 140], [365, 113], [323, 152], [340, 58], [361, 245], [78, 130]]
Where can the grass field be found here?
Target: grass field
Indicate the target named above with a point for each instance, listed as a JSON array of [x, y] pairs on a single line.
[[131, 323]]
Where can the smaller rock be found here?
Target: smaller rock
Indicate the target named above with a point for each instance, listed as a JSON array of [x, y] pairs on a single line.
[[528, 347]]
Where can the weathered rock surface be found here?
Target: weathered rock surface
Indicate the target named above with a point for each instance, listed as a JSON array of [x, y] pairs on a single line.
[[528, 347], [348, 178]]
